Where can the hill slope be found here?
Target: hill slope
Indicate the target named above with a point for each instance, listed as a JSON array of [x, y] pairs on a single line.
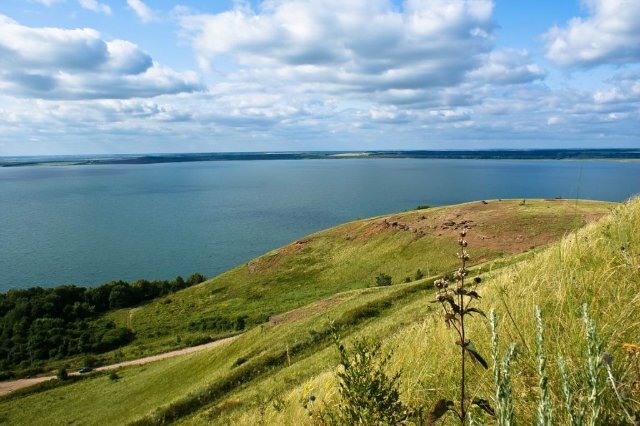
[[348, 257], [598, 266], [241, 381]]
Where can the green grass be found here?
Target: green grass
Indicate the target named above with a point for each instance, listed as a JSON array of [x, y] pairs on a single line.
[[344, 258], [598, 265], [290, 357]]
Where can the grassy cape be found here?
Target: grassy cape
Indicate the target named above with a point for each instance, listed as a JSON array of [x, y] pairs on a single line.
[[267, 373]]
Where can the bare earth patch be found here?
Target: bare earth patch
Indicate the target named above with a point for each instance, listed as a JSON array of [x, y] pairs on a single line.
[[508, 226]]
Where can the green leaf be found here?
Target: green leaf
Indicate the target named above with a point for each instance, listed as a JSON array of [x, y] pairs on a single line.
[[484, 405], [474, 352], [476, 310], [454, 305], [439, 410], [473, 294]]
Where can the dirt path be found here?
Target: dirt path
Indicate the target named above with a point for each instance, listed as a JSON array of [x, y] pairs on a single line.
[[10, 386]]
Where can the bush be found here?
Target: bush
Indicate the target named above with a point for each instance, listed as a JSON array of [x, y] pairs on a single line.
[[383, 279], [196, 279], [368, 395], [419, 275], [90, 361], [62, 374]]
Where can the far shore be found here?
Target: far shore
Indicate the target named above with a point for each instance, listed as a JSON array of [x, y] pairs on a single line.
[[618, 155]]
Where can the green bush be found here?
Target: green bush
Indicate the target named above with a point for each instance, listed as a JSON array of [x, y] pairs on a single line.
[[368, 395], [383, 279], [62, 374]]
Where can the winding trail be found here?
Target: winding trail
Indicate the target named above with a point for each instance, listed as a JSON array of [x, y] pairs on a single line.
[[13, 385]]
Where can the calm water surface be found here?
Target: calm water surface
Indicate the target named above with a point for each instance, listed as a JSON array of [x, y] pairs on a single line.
[[90, 224]]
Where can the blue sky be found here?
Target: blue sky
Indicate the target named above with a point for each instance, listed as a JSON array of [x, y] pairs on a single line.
[[131, 76]]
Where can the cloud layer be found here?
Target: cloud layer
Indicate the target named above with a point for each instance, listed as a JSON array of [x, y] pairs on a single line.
[[361, 45], [55, 63], [322, 74], [610, 35]]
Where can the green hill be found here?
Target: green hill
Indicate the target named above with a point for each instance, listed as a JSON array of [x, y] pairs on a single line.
[[266, 373], [344, 258]]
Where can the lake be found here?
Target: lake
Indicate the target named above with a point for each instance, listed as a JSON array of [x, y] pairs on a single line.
[[90, 224]]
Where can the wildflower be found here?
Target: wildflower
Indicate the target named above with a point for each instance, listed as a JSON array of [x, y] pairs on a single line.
[[464, 255]]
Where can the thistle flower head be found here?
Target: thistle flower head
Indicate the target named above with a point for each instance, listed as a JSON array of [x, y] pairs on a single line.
[[464, 255], [441, 284]]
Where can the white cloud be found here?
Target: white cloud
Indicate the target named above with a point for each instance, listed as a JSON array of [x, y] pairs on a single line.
[[95, 6], [142, 10], [507, 66], [303, 74], [359, 46], [57, 63], [609, 35]]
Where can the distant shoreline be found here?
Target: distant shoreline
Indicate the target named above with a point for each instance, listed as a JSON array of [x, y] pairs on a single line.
[[535, 154]]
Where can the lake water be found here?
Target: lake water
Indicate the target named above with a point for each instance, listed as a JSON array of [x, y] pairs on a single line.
[[90, 224]]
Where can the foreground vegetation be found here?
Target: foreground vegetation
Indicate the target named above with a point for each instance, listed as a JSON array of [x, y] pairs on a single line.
[[597, 266], [269, 373]]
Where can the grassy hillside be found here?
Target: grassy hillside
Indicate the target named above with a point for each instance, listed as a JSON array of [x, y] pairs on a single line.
[[253, 378], [344, 258], [598, 266]]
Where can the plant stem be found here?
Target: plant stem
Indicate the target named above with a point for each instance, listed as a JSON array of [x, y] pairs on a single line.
[[463, 413], [615, 389]]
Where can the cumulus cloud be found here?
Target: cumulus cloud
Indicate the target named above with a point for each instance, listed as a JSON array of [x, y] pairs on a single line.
[[305, 74], [507, 66], [60, 63], [609, 35], [361, 46], [142, 10]]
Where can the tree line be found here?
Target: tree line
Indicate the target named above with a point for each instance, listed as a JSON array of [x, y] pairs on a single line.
[[40, 324]]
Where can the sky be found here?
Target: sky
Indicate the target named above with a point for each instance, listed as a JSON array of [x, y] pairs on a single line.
[[143, 76]]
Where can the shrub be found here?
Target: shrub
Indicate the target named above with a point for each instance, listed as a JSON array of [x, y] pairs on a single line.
[[419, 275], [196, 279], [383, 279], [90, 361], [62, 374], [368, 395]]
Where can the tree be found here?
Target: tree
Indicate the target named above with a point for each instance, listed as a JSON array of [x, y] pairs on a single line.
[[196, 279]]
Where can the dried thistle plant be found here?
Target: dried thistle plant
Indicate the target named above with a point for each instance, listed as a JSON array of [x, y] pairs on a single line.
[[456, 300]]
